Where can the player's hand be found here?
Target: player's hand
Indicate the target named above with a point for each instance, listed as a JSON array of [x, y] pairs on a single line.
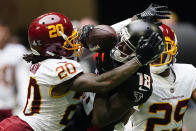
[[149, 49], [85, 33], [154, 12]]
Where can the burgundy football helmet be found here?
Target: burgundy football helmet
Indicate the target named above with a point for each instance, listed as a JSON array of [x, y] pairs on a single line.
[[170, 52], [52, 34]]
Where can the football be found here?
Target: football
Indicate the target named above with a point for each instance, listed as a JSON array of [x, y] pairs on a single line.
[[102, 38]]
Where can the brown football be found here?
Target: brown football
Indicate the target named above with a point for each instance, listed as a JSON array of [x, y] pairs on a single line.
[[102, 38]]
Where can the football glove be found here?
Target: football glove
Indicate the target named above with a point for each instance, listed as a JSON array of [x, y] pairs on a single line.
[[149, 49], [154, 12], [85, 33]]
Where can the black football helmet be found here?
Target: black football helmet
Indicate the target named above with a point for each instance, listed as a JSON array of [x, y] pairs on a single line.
[[130, 35]]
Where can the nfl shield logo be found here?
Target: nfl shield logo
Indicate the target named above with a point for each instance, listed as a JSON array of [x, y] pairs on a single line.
[[172, 90]]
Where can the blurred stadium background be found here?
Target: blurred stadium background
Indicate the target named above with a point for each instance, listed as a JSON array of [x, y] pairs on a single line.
[[19, 13]]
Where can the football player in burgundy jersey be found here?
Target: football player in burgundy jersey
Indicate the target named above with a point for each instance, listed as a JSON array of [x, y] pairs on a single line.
[[174, 84], [57, 79]]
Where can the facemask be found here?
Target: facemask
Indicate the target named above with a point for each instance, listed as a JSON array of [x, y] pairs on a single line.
[[116, 55]]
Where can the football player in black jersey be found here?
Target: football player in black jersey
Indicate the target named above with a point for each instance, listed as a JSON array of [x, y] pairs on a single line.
[[141, 39], [111, 107]]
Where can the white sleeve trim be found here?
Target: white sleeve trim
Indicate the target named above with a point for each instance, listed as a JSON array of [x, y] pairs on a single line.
[[121, 24]]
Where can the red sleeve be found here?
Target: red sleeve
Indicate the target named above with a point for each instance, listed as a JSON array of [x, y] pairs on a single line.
[[96, 55]]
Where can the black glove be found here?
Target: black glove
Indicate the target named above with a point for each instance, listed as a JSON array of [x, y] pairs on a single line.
[[149, 49], [85, 33], [154, 12]]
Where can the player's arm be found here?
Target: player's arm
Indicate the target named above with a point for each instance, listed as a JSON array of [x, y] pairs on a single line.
[[121, 125], [126, 117], [111, 109], [152, 13], [107, 110], [193, 97], [89, 82]]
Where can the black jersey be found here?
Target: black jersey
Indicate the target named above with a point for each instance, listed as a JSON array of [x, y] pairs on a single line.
[[138, 87]]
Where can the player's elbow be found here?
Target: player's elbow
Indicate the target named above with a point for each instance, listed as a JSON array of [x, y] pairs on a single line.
[[106, 87]]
